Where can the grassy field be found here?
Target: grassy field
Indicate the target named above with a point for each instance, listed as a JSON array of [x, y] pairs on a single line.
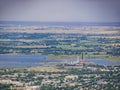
[[45, 69], [114, 58], [65, 57]]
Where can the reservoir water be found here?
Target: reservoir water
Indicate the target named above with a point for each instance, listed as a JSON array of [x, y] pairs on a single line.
[[26, 60]]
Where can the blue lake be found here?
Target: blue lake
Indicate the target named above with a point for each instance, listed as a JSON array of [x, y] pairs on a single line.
[[26, 60]]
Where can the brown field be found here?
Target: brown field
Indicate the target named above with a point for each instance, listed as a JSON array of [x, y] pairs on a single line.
[[79, 31]]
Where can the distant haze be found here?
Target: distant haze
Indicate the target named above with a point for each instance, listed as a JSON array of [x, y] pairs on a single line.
[[60, 10]]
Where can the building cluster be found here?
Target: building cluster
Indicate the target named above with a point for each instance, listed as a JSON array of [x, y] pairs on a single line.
[[79, 62], [87, 77]]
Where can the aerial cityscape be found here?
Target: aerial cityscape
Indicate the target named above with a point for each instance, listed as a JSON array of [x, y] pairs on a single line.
[[52, 56], [59, 45]]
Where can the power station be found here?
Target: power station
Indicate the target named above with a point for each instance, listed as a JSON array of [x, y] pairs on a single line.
[[79, 62]]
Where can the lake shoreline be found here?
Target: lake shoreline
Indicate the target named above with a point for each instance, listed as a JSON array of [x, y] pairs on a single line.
[[28, 60]]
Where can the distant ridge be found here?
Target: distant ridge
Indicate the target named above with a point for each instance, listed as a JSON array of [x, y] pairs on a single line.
[[62, 23]]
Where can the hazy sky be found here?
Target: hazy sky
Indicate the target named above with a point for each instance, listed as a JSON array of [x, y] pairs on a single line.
[[60, 10]]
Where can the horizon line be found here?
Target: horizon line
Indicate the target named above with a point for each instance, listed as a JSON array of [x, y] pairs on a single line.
[[58, 21]]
